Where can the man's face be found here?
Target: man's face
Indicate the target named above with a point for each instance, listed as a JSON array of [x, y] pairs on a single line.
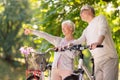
[[84, 14]]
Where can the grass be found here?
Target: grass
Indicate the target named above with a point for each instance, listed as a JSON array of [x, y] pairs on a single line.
[[9, 72]]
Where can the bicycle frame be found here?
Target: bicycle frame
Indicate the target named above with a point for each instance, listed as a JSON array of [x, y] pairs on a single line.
[[81, 67]]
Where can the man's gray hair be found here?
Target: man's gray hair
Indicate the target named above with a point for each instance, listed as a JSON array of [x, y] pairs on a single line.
[[85, 7]]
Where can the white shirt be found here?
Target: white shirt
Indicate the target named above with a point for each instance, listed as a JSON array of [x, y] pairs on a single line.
[[98, 26]]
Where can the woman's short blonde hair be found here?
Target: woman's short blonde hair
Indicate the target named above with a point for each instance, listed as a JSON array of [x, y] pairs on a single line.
[[70, 23]]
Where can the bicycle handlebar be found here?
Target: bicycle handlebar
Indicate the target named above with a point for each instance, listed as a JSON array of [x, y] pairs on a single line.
[[81, 47], [73, 47], [78, 47]]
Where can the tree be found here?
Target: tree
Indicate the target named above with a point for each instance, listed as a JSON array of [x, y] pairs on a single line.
[[14, 14]]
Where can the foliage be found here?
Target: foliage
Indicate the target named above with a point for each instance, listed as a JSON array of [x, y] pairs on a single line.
[[13, 14], [47, 15]]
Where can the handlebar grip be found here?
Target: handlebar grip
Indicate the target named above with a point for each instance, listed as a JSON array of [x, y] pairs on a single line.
[[99, 45]]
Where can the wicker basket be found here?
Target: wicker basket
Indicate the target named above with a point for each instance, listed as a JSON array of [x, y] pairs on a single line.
[[35, 61]]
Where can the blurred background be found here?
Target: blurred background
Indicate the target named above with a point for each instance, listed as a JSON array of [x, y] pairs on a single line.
[[45, 15]]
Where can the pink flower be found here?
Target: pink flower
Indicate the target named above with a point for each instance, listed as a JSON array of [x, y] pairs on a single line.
[[26, 50]]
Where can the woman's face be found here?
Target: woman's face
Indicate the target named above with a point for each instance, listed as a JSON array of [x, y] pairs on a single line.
[[66, 29]]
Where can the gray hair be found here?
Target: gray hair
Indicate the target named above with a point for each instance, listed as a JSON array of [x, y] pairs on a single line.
[[88, 7], [70, 23]]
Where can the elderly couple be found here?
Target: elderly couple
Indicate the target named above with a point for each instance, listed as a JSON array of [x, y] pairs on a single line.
[[96, 33]]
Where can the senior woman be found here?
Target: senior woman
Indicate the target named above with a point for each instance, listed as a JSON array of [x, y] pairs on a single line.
[[63, 61]]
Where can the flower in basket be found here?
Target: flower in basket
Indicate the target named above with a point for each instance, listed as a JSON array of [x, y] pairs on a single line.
[[26, 50]]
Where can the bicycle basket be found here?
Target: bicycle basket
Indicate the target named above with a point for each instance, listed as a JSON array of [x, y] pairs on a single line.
[[35, 61]]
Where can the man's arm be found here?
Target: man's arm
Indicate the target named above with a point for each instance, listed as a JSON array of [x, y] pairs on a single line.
[[80, 40], [103, 28], [99, 42]]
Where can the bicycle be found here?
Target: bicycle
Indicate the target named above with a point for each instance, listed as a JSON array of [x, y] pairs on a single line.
[[78, 74], [36, 64], [43, 65]]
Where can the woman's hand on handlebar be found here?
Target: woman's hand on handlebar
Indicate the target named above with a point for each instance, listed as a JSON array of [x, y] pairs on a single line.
[[60, 48]]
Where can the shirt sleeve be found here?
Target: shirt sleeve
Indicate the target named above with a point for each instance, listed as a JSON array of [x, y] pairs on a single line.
[[52, 39], [102, 24], [81, 39]]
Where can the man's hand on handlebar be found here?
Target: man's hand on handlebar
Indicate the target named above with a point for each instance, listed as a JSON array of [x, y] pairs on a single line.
[[94, 45]]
